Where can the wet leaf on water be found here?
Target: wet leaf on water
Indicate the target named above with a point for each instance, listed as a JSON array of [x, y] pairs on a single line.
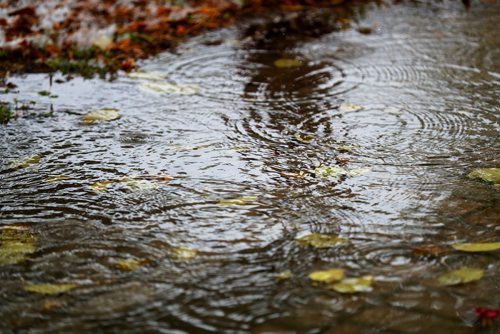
[[101, 115], [460, 276], [168, 88], [153, 76], [318, 240], [101, 186], [298, 175], [477, 247], [491, 175], [130, 264], [429, 250], [354, 285], [304, 138], [349, 107], [183, 253], [284, 275], [48, 288], [287, 63], [16, 245], [44, 93], [25, 162], [327, 276], [392, 111], [237, 201], [329, 172], [57, 178]]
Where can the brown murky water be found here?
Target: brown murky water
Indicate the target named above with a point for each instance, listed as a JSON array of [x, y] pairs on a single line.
[[228, 125]]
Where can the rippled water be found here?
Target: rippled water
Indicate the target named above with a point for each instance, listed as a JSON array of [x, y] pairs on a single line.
[[427, 78]]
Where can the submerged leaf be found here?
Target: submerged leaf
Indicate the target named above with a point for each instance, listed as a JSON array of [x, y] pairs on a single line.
[[319, 240], [349, 107], [25, 162], [460, 276], [183, 253], [286, 63], [237, 201], [168, 88], [284, 275], [491, 175], [101, 115], [15, 245], [353, 285], [48, 288], [477, 247], [327, 276], [130, 264]]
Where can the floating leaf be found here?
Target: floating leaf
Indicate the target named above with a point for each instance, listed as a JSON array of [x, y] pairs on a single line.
[[101, 186], [101, 115], [327, 276], [392, 111], [153, 76], [44, 93], [56, 178], [429, 250], [349, 107], [48, 288], [15, 245], [330, 172], [237, 201], [130, 264], [319, 240], [299, 175], [168, 88], [477, 247], [284, 275], [183, 253], [491, 175], [460, 276], [304, 138], [25, 162], [353, 285], [286, 63]]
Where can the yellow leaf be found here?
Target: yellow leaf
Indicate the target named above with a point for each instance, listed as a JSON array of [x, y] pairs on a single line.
[[130, 264], [327, 276], [353, 285], [286, 63], [460, 276], [25, 162], [183, 253], [477, 247], [319, 240], [57, 178], [15, 245], [237, 201], [49, 289], [101, 115], [486, 174], [101, 186]]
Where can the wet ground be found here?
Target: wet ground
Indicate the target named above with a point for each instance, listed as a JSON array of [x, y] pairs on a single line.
[[409, 101]]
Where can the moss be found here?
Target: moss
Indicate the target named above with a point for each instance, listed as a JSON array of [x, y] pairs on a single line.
[[5, 113]]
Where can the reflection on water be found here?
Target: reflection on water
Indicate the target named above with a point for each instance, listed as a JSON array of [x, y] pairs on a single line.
[[427, 81]]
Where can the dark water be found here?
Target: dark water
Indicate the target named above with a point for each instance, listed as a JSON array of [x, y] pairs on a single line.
[[427, 78]]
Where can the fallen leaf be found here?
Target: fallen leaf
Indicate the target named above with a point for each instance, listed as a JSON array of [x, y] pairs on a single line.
[[491, 175], [237, 201], [15, 245], [183, 253], [130, 264], [25, 162], [327, 276], [101, 186], [56, 178], [460, 276], [304, 138], [168, 88], [318, 240], [353, 285], [48, 288], [477, 247], [349, 107], [101, 115], [329, 172], [284, 275], [287, 63], [429, 250]]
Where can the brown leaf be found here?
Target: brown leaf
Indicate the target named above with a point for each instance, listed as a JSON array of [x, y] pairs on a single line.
[[429, 250]]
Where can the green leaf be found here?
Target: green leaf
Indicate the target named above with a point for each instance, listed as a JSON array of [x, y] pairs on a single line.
[[101, 115], [349, 107], [460, 276], [491, 175], [319, 240], [477, 247], [25, 162], [168, 88], [287, 63], [48, 288], [15, 245], [183, 253], [237, 201], [130, 264], [354, 285], [327, 276]]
